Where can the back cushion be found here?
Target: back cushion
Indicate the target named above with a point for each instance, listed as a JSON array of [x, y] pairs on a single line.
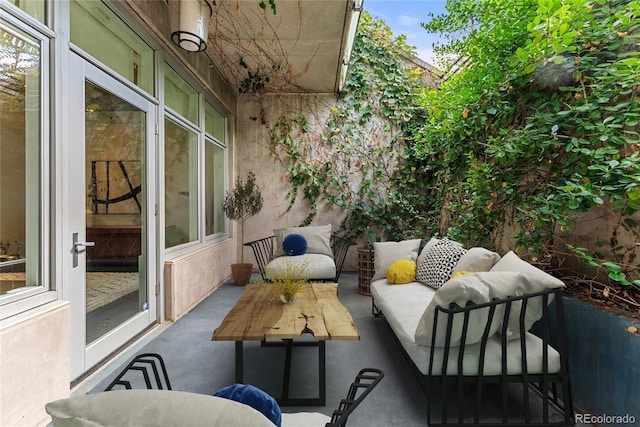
[[477, 259], [152, 408], [470, 288], [318, 239], [385, 253], [532, 280]]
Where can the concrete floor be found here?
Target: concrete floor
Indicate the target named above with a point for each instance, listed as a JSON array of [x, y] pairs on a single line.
[[197, 364]]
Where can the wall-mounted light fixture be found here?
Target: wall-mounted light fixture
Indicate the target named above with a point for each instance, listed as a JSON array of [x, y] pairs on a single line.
[[191, 35]]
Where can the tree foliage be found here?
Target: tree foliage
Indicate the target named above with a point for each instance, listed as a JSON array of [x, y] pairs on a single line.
[[541, 125]]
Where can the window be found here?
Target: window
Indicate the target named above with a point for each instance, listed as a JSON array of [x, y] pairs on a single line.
[[195, 150], [180, 186], [214, 170], [99, 32], [35, 8], [21, 217]]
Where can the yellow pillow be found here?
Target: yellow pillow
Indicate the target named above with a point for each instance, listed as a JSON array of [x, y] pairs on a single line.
[[401, 271], [458, 274]]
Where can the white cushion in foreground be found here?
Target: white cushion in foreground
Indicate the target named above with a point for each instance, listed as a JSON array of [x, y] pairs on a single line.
[[305, 419], [152, 408]]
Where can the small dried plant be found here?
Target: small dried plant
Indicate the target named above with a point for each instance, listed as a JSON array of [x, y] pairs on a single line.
[[289, 279]]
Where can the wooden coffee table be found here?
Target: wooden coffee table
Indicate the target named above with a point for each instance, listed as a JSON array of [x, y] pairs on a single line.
[[259, 316]]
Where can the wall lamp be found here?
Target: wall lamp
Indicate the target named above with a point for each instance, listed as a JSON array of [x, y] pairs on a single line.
[[191, 35]]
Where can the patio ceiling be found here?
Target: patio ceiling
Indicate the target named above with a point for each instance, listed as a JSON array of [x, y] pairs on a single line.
[[302, 48]]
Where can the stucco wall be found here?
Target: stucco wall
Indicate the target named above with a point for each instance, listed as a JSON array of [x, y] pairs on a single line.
[[34, 367], [252, 154], [191, 278]]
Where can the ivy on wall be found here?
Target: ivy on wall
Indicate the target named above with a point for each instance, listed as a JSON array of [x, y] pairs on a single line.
[[539, 126]]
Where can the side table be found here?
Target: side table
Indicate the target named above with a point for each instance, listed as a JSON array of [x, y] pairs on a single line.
[[365, 270]]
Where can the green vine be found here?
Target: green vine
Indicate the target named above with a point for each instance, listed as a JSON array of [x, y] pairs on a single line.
[[537, 128]]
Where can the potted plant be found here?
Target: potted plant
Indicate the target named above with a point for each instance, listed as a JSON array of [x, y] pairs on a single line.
[[243, 202]]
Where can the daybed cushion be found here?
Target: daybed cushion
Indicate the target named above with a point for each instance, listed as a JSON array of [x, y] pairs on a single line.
[[536, 280], [305, 419], [318, 239], [476, 288], [476, 259], [152, 408], [316, 266], [385, 253]]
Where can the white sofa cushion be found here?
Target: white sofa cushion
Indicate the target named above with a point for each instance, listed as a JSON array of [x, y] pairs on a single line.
[[385, 253], [317, 266], [477, 288], [533, 280], [305, 419], [476, 259], [318, 239], [152, 408]]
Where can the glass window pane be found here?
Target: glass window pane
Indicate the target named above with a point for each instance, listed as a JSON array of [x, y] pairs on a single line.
[[214, 188], [35, 8], [214, 123], [20, 163], [181, 201], [100, 33], [180, 96]]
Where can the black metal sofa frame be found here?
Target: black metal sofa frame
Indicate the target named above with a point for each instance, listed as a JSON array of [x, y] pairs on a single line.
[[461, 399], [263, 252]]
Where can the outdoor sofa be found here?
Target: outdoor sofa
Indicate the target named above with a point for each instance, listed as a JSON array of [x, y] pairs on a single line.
[[317, 253], [465, 336]]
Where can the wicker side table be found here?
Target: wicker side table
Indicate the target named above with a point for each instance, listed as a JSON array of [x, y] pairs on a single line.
[[365, 270]]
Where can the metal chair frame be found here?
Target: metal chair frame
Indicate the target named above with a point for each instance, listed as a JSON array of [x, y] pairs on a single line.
[[148, 365], [365, 381], [263, 252]]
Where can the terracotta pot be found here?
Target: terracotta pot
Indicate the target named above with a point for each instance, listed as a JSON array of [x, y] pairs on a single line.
[[241, 273]]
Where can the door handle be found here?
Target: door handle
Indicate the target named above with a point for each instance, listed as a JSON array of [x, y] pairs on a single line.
[[79, 247]]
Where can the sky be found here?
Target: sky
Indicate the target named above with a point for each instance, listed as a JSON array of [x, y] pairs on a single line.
[[404, 17]]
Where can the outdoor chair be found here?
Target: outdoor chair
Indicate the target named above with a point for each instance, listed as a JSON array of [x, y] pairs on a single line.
[[150, 366], [324, 264], [147, 367]]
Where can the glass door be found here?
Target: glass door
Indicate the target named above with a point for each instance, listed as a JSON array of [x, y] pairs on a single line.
[[111, 251]]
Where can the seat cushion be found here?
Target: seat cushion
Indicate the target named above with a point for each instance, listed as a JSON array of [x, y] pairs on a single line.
[[317, 266], [305, 419], [152, 408]]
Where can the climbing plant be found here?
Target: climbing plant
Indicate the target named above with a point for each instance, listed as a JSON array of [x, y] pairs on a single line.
[[539, 126], [362, 143]]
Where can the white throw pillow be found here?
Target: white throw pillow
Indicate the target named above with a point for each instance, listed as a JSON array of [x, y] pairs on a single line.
[[385, 253], [477, 288], [427, 247], [476, 259], [152, 408], [437, 265], [318, 239], [534, 280]]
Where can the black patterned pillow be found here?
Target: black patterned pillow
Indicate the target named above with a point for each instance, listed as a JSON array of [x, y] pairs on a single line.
[[436, 267]]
